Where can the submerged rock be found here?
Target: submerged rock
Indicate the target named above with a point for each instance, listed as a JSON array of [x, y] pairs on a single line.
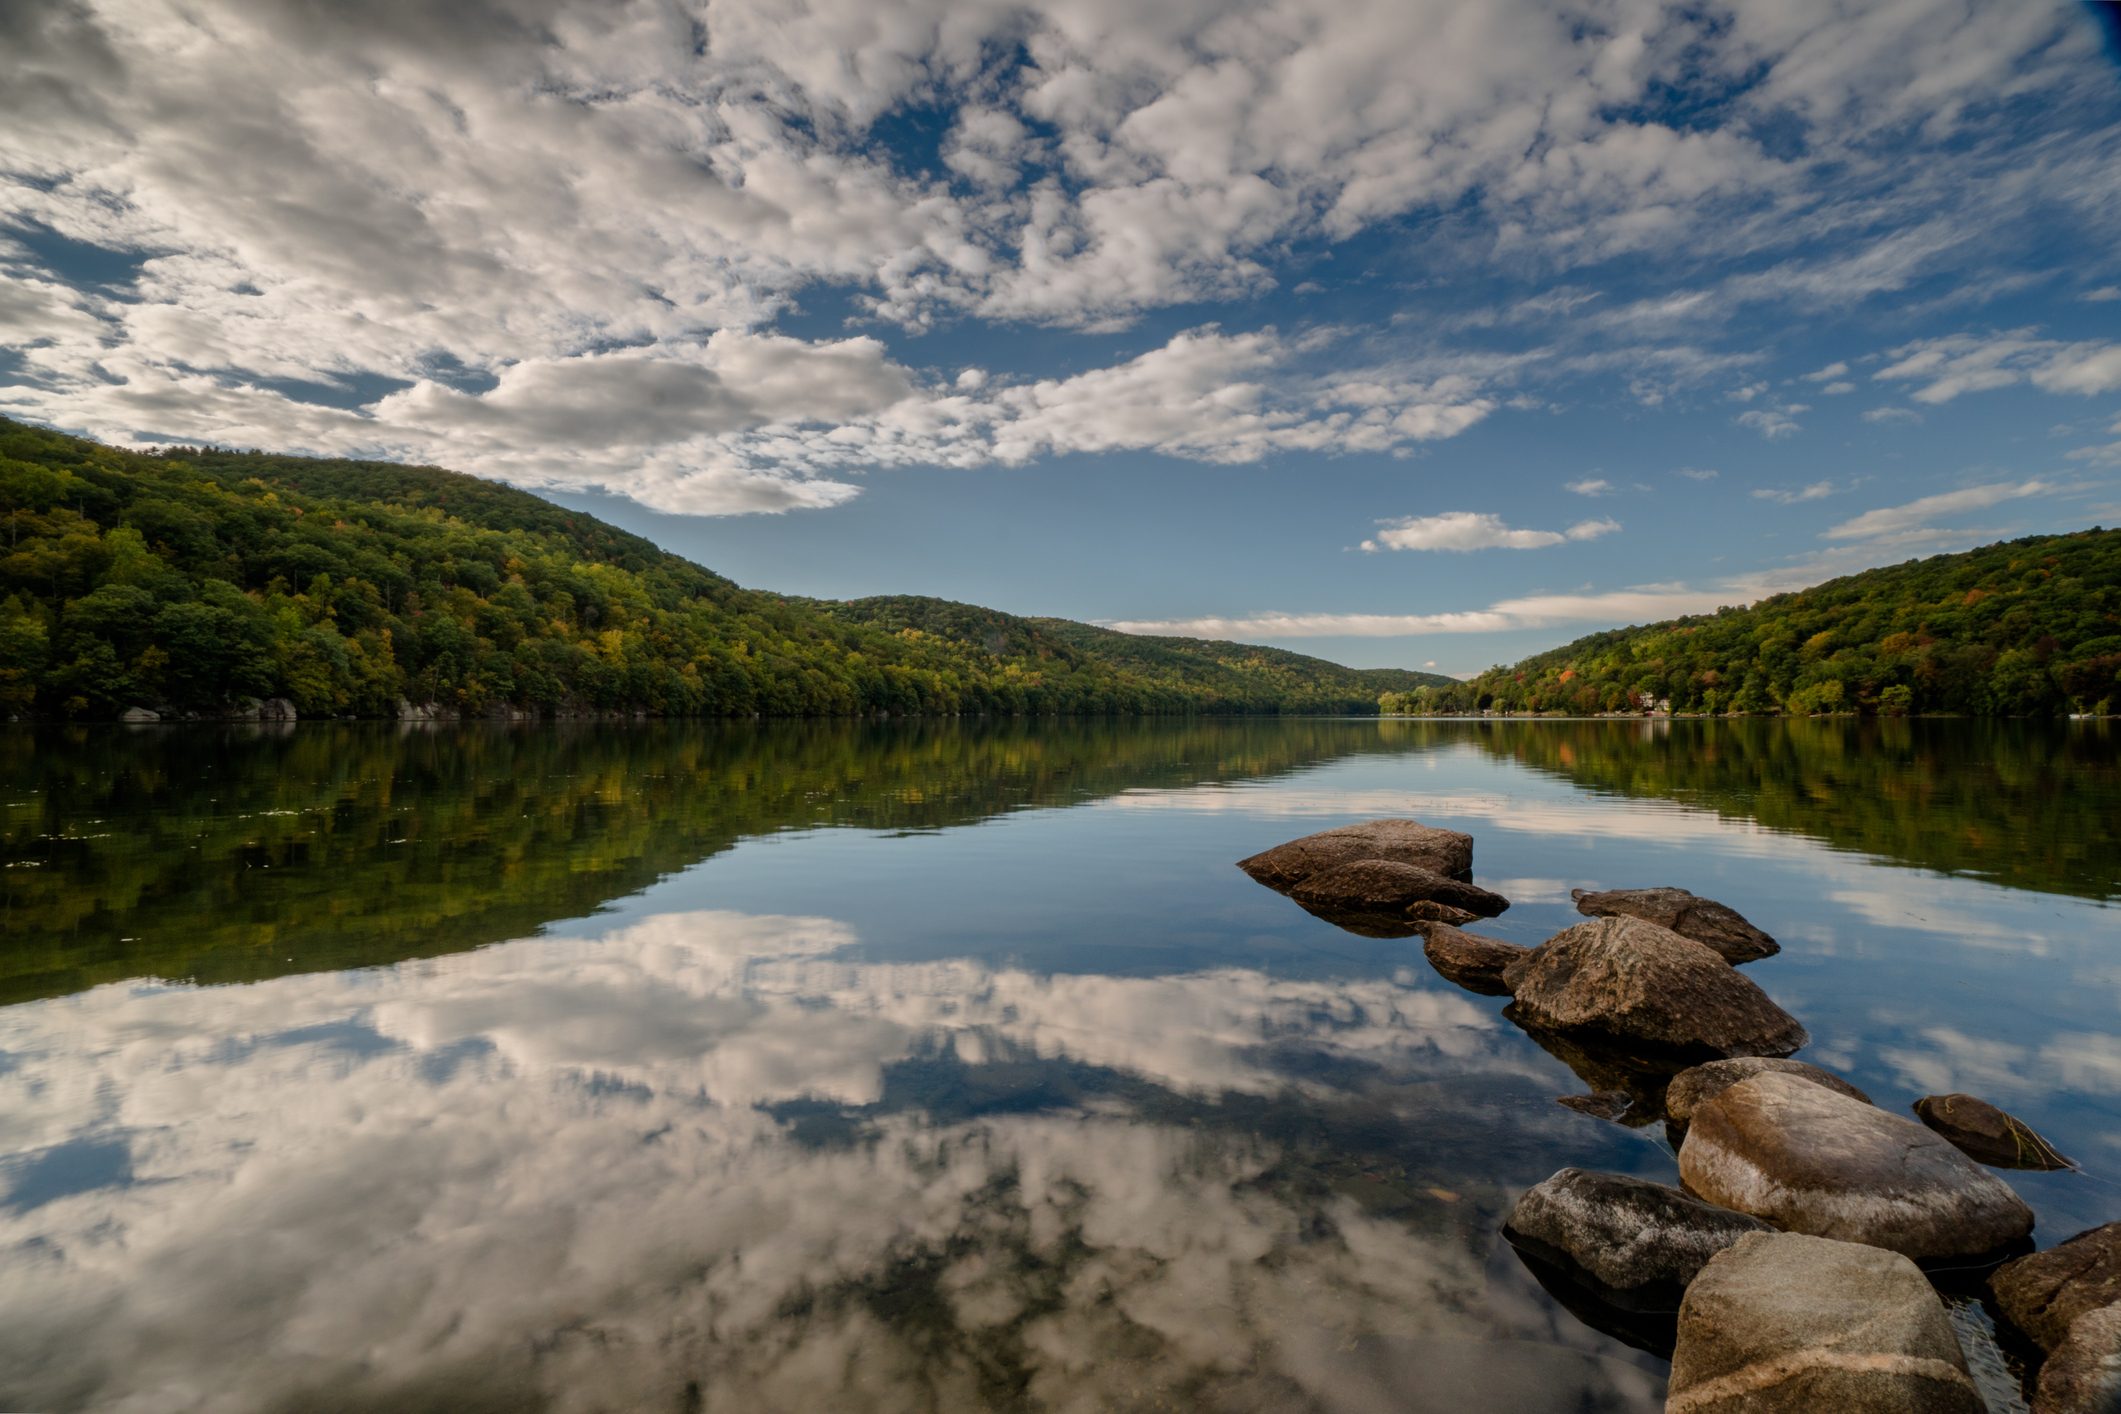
[[2045, 1293], [1429, 911], [1781, 1323], [1703, 919], [1638, 982], [1981, 1131], [1470, 960], [1388, 886], [1615, 1105], [2083, 1375], [1690, 1087], [1638, 1243], [1812, 1160], [1402, 841]]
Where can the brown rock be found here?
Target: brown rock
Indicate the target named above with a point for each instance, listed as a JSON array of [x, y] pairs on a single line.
[[2083, 1376], [1404, 841], [1981, 1131], [1388, 886], [1429, 911], [1634, 981], [1638, 1243], [1780, 1323], [2045, 1293], [1690, 1087], [1470, 960], [1703, 919], [1812, 1160]]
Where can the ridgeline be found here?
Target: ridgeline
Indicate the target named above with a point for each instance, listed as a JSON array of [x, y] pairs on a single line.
[[199, 583], [2025, 628]]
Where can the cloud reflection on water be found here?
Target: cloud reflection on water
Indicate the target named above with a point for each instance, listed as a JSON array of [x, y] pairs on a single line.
[[551, 1173]]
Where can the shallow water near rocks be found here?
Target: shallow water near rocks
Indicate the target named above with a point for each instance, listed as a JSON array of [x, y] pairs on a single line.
[[932, 1065]]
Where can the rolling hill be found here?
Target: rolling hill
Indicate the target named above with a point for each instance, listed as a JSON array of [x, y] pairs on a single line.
[[196, 582], [2026, 627]]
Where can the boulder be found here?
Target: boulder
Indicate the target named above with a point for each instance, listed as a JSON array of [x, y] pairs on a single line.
[[1979, 1130], [139, 714], [1388, 886], [2045, 1293], [1428, 911], [2083, 1375], [1781, 1323], [277, 709], [1403, 841], [1812, 1160], [1703, 919], [1468, 959], [1637, 1243], [1643, 984], [1690, 1087]]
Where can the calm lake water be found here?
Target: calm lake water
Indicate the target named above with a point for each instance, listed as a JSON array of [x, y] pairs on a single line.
[[931, 1066]]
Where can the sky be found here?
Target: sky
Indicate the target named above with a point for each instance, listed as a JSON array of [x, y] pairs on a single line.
[[1402, 332]]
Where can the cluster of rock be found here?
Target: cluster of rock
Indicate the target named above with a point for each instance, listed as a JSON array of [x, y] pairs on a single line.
[[249, 709], [1788, 1270]]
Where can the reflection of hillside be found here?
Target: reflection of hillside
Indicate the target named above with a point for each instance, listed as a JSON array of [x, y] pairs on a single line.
[[2020, 803], [218, 856]]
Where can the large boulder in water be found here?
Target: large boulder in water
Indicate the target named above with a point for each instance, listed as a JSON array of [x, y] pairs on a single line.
[[1703, 919], [1388, 886], [1402, 841], [2045, 1293], [1690, 1087], [1635, 1242], [2083, 1375], [1979, 1130], [1470, 960], [1428, 912], [1781, 1323], [1811, 1160], [1637, 982]]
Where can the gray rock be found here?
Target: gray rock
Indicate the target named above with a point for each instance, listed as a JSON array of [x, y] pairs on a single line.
[[2083, 1375], [1781, 1323], [1703, 919], [1690, 1087], [277, 709], [1470, 960], [1639, 1242], [1403, 841], [1812, 1160], [139, 714], [2044, 1294], [1388, 886], [1635, 981], [1429, 912], [1981, 1131]]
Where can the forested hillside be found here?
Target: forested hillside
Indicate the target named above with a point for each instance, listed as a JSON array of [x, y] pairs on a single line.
[[2024, 628], [191, 582]]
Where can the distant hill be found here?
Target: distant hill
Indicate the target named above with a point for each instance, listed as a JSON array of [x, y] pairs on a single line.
[[195, 581], [2022, 628]]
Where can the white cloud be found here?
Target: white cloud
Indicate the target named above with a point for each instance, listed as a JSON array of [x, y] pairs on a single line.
[[2105, 294], [1477, 530], [1891, 414], [558, 188], [1591, 486], [1836, 389], [1698, 473], [1784, 496], [1888, 521], [1956, 364], [1829, 374], [1773, 423]]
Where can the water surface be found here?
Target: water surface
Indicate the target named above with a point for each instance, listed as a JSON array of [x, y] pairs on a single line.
[[926, 1066]]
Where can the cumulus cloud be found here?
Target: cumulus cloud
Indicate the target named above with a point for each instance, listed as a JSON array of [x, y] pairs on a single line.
[[1591, 486], [1830, 374], [1890, 521], [1477, 530], [1773, 423], [504, 211]]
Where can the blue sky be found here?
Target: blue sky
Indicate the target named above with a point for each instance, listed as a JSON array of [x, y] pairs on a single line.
[[1402, 333]]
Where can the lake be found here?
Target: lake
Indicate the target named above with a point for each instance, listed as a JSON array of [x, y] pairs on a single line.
[[933, 1065]]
